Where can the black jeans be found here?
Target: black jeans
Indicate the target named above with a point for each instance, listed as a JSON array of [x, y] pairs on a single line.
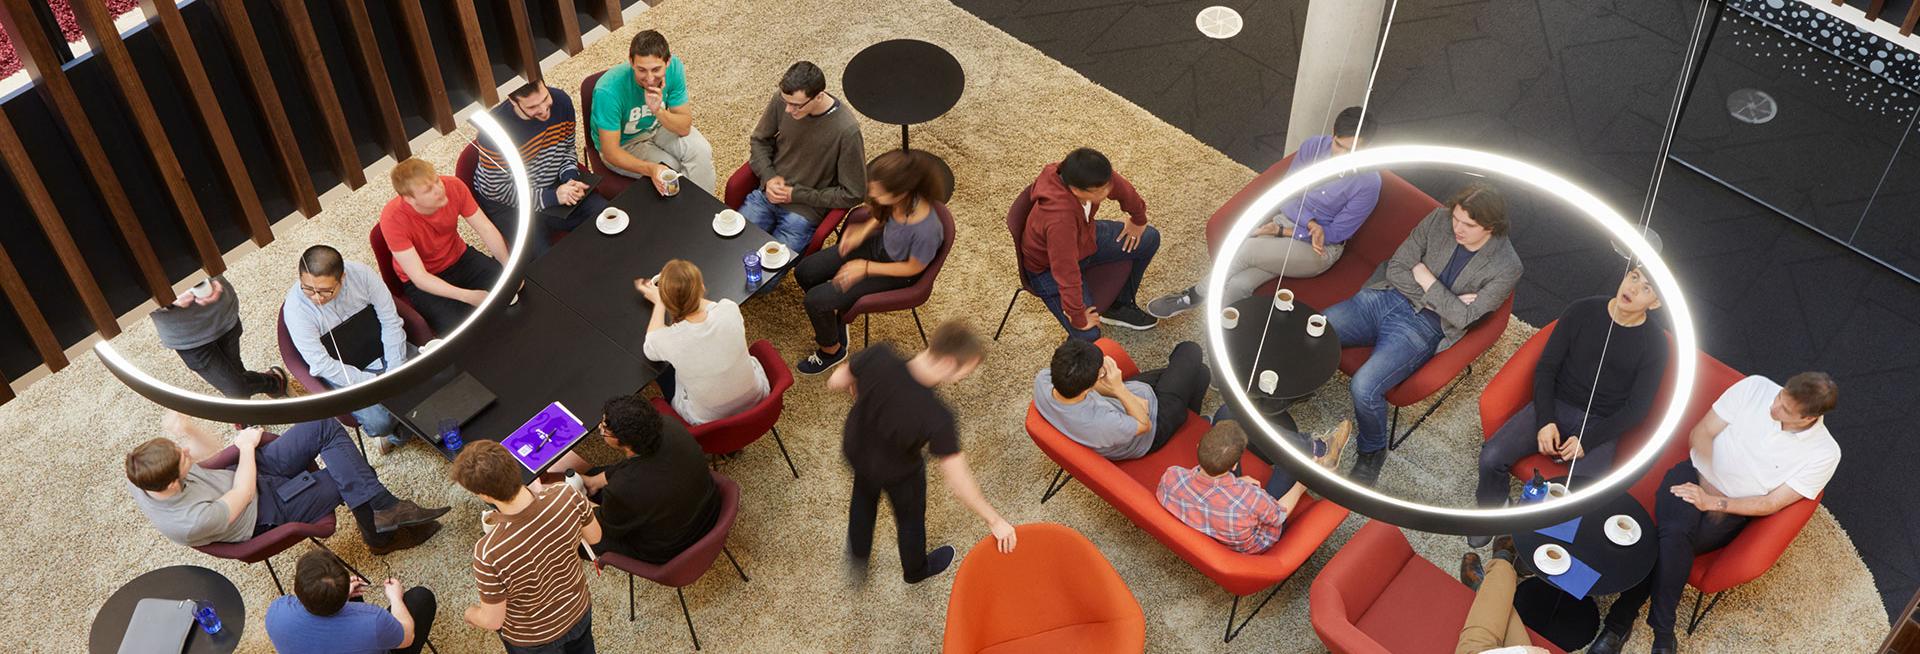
[[421, 605], [506, 218], [578, 640], [472, 271], [1180, 387], [219, 363], [908, 497], [347, 479], [1684, 531], [1518, 438], [825, 301]]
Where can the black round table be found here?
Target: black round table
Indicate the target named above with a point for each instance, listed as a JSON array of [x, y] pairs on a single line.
[[1571, 622], [905, 82], [1303, 363], [186, 582]]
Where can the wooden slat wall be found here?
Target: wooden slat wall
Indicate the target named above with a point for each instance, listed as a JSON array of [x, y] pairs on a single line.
[[223, 151], [1913, 16]]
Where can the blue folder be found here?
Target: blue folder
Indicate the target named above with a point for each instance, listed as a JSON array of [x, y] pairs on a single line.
[[1577, 580]]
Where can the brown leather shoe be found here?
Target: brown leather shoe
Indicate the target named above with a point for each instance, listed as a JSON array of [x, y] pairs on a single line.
[[406, 538], [403, 514], [1503, 548], [1471, 571]]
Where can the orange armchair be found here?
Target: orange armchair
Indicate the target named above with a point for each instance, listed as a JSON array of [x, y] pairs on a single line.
[[1130, 486], [1054, 593], [1376, 596], [1752, 552]]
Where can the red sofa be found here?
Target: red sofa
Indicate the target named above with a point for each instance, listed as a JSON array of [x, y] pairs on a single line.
[[1130, 487], [1376, 596], [1750, 554]]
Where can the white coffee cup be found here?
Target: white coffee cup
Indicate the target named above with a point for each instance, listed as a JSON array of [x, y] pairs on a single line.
[[1556, 490], [1283, 299], [202, 289], [730, 218], [1316, 325], [1269, 380], [1230, 317]]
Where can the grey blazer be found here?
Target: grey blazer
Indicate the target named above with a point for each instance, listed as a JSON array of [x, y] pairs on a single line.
[[1491, 274]]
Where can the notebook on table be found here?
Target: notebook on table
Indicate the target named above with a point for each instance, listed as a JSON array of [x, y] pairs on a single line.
[[356, 340], [563, 210], [544, 437], [158, 626], [460, 400]]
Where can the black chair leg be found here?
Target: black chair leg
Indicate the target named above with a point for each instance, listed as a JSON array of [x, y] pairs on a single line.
[[629, 598], [736, 564], [1402, 438], [866, 330], [276, 577], [431, 648], [916, 325], [336, 556], [783, 453], [689, 616], [1233, 632], [1699, 615], [360, 438], [1006, 314], [1060, 479]]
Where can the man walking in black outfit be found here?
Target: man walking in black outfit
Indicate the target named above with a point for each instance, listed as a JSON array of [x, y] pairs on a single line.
[[895, 414]]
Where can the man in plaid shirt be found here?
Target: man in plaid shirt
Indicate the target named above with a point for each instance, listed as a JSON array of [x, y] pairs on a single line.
[[1236, 511]]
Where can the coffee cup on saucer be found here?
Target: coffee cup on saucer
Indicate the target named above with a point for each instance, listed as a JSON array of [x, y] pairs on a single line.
[[729, 222], [1283, 299], [1230, 317], [1552, 559], [1623, 530], [611, 221]]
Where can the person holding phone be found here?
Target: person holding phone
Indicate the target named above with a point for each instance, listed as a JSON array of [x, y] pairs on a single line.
[[642, 124], [203, 326], [327, 614]]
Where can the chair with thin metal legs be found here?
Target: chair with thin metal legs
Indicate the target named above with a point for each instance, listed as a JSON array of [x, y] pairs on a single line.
[[690, 564], [735, 432]]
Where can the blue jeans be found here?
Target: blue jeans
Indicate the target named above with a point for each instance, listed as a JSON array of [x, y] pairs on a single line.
[[790, 229], [378, 422], [578, 640], [1402, 340], [347, 479], [1107, 236]]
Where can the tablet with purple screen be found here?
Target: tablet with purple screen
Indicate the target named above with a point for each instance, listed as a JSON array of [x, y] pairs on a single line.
[[549, 434]]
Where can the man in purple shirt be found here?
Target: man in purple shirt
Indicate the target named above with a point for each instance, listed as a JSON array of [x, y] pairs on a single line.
[[1310, 231]]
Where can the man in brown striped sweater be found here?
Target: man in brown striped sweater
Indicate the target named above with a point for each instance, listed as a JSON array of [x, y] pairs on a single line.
[[532, 589]]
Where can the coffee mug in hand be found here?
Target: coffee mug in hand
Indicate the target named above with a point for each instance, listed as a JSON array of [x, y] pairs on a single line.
[[1230, 317], [1283, 299], [671, 180], [1316, 325]]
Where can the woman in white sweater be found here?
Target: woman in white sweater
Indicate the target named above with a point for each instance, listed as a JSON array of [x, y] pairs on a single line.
[[705, 342]]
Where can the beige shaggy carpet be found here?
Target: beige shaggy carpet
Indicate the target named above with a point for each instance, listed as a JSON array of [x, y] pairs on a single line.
[[74, 536]]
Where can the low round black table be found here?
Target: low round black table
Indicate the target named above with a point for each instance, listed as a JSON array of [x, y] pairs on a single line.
[[1280, 341], [905, 82], [185, 582], [1571, 622]]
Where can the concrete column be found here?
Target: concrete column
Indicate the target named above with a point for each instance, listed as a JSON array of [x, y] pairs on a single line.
[[1336, 56]]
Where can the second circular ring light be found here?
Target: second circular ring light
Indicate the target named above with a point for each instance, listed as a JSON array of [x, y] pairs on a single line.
[[1440, 519]]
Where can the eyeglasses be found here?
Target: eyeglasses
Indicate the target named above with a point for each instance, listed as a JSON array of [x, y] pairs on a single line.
[[319, 292]]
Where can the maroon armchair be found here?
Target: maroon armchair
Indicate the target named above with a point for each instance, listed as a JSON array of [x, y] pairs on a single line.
[[691, 564], [744, 182], [261, 548], [909, 298], [383, 262], [732, 433], [611, 183], [417, 333], [1103, 280]]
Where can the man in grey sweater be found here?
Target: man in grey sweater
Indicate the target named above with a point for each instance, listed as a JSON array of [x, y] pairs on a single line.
[[203, 325], [809, 157], [330, 293]]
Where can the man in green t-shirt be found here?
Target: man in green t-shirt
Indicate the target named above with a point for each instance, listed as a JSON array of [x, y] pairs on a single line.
[[641, 122]]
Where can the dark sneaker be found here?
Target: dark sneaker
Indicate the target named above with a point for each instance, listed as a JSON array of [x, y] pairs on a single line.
[[1366, 467], [282, 382], [1610, 641], [1168, 306], [937, 562], [409, 537], [404, 514], [1471, 572], [819, 362], [1130, 317]]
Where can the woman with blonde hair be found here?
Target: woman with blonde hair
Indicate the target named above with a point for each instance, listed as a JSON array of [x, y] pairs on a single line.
[[704, 343]]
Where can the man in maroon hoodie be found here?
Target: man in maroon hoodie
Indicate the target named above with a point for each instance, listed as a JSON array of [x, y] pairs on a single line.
[[1062, 240]]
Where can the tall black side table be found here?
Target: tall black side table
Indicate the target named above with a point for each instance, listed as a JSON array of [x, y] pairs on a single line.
[[905, 82], [184, 582]]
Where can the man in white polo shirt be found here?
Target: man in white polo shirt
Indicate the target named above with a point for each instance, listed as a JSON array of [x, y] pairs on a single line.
[[1762, 448]]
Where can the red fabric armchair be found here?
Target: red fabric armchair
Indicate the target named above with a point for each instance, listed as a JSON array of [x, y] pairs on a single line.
[[732, 433], [1453, 364], [1400, 209], [1103, 280], [1130, 486], [744, 182], [909, 298], [611, 183], [692, 563], [1377, 597], [1054, 593], [261, 548]]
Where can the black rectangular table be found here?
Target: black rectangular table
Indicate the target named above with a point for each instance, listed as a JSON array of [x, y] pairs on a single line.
[[576, 334]]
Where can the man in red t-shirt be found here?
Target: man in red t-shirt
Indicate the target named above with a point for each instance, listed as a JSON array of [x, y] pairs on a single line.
[[443, 277]]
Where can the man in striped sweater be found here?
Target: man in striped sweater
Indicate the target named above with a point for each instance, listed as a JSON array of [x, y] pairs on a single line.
[[533, 592], [540, 121]]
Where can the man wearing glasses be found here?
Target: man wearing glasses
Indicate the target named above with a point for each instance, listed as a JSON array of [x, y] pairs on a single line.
[[342, 319], [808, 156]]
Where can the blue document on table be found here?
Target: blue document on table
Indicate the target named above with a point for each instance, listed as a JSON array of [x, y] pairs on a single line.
[[1562, 532], [1577, 580], [545, 437]]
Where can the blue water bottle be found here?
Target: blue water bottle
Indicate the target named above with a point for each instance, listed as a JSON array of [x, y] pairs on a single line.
[[450, 434], [1535, 490], [752, 262], [203, 614]]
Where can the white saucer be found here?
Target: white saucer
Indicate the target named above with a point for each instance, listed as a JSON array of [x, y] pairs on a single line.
[[1620, 536], [610, 222], [1548, 566], [721, 229], [775, 261]]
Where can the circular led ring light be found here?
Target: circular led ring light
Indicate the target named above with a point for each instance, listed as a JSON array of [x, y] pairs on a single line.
[[345, 400], [1471, 521]]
